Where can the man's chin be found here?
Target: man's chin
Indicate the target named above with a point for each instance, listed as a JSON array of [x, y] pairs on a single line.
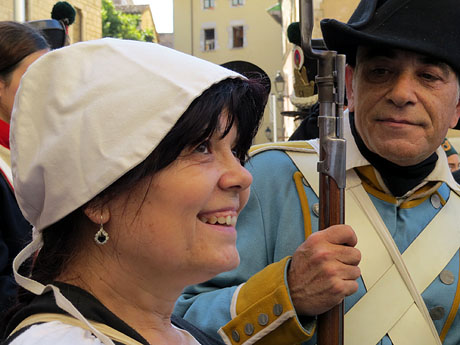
[[404, 159]]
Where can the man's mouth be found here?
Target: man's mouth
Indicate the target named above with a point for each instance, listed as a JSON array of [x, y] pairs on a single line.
[[398, 121]]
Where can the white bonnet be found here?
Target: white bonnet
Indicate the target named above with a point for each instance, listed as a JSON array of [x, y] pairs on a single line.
[[86, 114]]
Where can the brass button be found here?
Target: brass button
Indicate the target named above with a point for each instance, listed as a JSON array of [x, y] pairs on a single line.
[[248, 329], [437, 313], [235, 335], [262, 319], [447, 277], [277, 309], [315, 209], [435, 201]]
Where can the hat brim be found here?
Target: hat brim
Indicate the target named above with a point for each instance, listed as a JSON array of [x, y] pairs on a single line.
[[345, 39], [250, 71]]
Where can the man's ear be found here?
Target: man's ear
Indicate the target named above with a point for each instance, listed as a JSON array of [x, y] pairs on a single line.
[[349, 85], [98, 215]]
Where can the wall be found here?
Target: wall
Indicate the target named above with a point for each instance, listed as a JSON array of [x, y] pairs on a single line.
[[262, 37], [87, 27]]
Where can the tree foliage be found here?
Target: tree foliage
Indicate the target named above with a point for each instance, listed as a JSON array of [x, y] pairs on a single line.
[[122, 25]]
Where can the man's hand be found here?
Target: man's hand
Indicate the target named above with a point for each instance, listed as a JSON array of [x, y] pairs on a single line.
[[324, 270]]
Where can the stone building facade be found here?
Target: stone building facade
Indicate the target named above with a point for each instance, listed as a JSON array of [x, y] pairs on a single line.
[[231, 30], [88, 23]]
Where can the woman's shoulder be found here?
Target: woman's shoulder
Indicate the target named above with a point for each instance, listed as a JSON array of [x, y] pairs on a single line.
[[54, 332]]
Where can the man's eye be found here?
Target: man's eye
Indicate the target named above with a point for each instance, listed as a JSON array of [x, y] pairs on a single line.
[[379, 74], [203, 147], [429, 76], [380, 71]]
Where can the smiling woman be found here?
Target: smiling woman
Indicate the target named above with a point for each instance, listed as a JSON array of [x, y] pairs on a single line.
[[131, 200]]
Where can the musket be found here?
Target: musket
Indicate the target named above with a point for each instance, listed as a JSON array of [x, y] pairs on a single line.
[[330, 82]]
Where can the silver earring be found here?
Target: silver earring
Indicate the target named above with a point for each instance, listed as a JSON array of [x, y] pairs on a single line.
[[101, 236]]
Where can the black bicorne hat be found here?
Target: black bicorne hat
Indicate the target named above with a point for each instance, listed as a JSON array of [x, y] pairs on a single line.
[[426, 27], [53, 31], [250, 71]]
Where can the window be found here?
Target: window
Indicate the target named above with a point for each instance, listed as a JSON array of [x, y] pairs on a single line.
[[76, 29], [236, 3], [209, 39], [238, 36], [208, 4]]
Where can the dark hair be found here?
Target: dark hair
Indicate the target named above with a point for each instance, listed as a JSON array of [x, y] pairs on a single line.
[[243, 101], [17, 41]]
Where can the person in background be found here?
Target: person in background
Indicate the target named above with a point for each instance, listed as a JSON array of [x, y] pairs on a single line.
[[396, 262], [65, 13], [20, 46], [130, 201], [305, 92], [452, 155]]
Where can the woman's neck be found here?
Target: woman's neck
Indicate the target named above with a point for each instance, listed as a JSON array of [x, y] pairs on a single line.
[[144, 304]]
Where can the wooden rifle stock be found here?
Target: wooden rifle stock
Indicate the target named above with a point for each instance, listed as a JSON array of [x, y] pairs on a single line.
[[330, 82]]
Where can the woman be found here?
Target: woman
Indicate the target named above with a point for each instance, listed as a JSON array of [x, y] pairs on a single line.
[[130, 170], [20, 45]]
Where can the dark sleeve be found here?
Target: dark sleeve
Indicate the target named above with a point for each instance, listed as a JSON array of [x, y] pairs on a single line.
[[308, 128], [15, 232], [200, 336], [456, 175]]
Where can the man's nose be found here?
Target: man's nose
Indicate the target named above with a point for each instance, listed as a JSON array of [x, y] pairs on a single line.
[[403, 90]]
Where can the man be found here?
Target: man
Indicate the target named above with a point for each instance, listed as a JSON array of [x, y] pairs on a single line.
[[453, 161], [305, 92], [402, 203], [452, 155]]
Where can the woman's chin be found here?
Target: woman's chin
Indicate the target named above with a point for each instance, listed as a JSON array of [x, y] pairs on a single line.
[[219, 265]]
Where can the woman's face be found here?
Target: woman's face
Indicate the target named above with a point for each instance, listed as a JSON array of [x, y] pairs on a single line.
[[183, 227], [8, 90]]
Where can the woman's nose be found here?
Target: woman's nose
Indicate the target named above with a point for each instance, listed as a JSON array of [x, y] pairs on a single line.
[[235, 176]]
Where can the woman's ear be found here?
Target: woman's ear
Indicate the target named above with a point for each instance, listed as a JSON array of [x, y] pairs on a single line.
[[2, 88], [98, 215], [4, 109]]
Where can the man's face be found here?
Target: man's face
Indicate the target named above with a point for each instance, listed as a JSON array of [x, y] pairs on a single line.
[[453, 162], [403, 102]]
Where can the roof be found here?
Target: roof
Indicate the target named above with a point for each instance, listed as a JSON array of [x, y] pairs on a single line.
[[132, 9]]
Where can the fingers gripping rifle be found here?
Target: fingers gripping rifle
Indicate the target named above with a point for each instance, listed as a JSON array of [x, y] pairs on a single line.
[[331, 166]]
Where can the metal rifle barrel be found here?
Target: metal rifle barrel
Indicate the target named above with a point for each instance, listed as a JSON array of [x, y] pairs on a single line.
[[331, 166]]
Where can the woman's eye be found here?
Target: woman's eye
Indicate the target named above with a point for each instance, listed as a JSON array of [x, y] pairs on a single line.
[[202, 148]]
